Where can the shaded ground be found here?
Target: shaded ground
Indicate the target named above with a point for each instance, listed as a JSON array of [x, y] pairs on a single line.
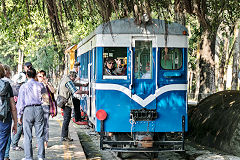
[[215, 121], [56, 149], [90, 143]]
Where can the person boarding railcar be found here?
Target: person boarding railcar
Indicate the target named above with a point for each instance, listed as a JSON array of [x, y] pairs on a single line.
[[66, 90]]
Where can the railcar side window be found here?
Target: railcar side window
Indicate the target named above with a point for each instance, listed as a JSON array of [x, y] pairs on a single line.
[[115, 63], [172, 59], [143, 65]]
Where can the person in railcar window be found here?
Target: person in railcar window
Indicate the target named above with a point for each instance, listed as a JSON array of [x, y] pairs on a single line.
[[113, 67], [147, 74]]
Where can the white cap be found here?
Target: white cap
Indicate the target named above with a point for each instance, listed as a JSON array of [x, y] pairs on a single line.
[[19, 78]]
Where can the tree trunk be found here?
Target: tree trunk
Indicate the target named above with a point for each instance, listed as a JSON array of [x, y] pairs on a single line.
[[222, 67], [20, 60], [235, 69], [207, 64], [197, 77]]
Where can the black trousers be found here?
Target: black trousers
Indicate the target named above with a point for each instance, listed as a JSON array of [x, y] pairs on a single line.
[[67, 111], [77, 112]]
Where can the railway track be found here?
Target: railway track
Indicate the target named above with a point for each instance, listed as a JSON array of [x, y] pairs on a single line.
[[90, 143]]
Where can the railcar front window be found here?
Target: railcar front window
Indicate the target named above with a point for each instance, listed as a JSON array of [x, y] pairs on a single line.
[[143, 65], [115, 63], [171, 58]]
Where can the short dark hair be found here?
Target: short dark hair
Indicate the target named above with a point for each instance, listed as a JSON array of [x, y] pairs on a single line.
[[6, 68], [110, 59], [2, 71], [76, 64], [44, 72], [28, 64], [73, 74], [31, 73]]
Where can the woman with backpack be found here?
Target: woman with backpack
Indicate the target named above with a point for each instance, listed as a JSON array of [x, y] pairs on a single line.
[[8, 112]]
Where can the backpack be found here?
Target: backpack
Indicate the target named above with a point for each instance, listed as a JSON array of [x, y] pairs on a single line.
[[4, 100]]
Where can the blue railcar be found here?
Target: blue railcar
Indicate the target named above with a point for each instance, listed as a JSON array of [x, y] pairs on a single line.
[[135, 108]]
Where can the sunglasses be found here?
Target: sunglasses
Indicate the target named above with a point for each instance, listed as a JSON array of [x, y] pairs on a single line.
[[110, 62]]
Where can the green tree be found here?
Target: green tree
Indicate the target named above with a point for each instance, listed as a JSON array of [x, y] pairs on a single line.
[[210, 15]]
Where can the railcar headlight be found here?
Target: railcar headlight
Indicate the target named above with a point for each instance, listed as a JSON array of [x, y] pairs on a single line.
[[101, 114]]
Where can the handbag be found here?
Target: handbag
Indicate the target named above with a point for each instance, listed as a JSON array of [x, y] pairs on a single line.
[[61, 101], [52, 103]]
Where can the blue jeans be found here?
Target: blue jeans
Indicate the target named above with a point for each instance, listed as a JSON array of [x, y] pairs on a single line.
[[16, 137], [46, 122], [5, 131], [66, 120], [8, 148]]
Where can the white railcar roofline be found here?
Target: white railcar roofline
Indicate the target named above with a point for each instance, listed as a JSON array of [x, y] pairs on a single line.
[[124, 40], [117, 27]]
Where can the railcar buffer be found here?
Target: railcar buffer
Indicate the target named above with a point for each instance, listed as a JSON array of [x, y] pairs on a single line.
[[144, 114]]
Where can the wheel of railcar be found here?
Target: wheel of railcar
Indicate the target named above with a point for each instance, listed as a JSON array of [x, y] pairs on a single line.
[[119, 154], [152, 156]]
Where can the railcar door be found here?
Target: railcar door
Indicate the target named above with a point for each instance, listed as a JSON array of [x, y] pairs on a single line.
[[172, 80], [143, 102]]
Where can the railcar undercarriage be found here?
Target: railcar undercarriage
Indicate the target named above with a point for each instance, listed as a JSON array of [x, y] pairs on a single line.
[[152, 142]]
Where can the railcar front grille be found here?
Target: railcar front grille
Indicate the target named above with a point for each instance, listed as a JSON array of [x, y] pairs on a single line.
[[144, 114]]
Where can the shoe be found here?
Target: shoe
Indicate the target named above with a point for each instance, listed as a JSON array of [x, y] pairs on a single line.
[[17, 148], [6, 158], [40, 159], [26, 159], [46, 144], [67, 139]]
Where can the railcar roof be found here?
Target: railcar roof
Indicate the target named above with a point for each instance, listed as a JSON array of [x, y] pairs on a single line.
[[127, 26]]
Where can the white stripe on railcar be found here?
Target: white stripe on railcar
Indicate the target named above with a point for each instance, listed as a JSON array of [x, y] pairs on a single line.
[[136, 98]]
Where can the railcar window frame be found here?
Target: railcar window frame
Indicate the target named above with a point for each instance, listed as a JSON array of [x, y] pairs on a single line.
[[142, 64], [172, 56], [108, 52]]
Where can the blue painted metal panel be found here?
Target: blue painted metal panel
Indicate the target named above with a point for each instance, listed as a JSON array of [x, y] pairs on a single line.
[[117, 106], [143, 88], [171, 106], [99, 54], [172, 74]]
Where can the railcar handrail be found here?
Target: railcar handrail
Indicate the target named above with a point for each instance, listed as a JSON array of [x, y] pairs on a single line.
[[89, 79], [131, 54], [156, 80]]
